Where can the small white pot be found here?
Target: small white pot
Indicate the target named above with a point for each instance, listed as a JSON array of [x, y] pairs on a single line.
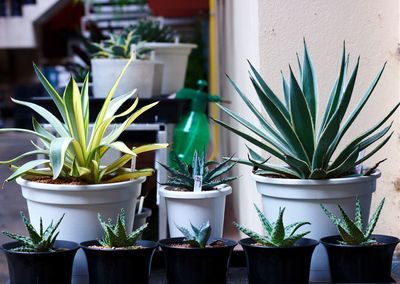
[[80, 203], [302, 199], [175, 59], [185, 207], [143, 75]]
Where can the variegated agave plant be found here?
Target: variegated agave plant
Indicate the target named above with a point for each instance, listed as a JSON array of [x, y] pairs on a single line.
[[74, 151], [292, 133], [277, 234], [355, 232]]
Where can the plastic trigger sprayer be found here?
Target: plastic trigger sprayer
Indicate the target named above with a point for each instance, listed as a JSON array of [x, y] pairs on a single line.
[[192, 130]]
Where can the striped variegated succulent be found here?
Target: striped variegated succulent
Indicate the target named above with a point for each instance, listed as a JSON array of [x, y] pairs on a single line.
[[200, 235], [307, 147], [277, 234], [73, 151], [355, 232]]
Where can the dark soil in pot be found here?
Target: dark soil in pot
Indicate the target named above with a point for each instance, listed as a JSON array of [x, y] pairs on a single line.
[[360, 264], [119, 266], [196, 265], [41, 267], [274, 265]]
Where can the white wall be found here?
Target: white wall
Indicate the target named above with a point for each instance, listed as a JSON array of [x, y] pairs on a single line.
[[370, 29]]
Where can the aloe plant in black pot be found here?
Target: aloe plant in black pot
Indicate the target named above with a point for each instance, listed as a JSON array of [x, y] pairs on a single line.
[[195, 258], [281, 256], [357, 256], [119, 257], [39, 258]]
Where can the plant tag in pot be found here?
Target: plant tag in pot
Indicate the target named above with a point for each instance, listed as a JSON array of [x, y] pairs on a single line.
[[198, 183]]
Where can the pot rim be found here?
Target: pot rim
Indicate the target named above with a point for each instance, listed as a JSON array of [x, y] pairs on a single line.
[[72, 187], [74, 244], [166, 45], [325, 242], [162, 243], [222, 190], [85, 245], [313, 243], [344, 180], [123, 60]]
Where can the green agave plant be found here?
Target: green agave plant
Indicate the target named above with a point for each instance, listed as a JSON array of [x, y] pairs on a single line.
[[277, 234], [292, 133], [183, 175], [74, 151], [116, 236], [355, 232], [150, 30], [42, 241], [200, 235], [119, 46]]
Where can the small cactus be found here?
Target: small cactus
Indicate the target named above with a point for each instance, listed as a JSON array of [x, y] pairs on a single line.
[[354, 232], [210, 171], [42, 241], [200, 237], [116, 236], [277, 235]]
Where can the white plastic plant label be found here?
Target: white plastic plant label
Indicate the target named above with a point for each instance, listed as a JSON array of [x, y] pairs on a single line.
[[198, 183]]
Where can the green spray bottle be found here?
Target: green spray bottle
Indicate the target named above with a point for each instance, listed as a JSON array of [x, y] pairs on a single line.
[[192, 130]]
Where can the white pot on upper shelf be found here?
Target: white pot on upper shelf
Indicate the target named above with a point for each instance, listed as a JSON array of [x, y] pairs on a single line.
[[174, 56]]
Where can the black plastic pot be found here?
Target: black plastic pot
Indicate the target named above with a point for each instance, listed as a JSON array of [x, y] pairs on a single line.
[[196, 265], [274, 265], [360, 264], [119, 266], [41, 267]]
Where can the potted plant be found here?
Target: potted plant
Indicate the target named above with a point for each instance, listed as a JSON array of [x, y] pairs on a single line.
[[280, 256], [119, 257], [194, 258], [196, 193], [39, 257], [314, 169], [167, 50], [111, 55], [71, 179], [355, 255]]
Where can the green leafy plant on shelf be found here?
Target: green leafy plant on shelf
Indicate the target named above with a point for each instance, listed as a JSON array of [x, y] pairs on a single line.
[[42, 241], [277, 234], [150, 30], [183, 175], [118, 46], [355, 232], [72, 151], [292, 133], [116, 235], [200, 235]]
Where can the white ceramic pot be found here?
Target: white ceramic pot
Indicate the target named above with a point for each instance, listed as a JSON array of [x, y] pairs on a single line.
[[302, 199], [174, 56], [143, 75], [80, 203], [185, 207]]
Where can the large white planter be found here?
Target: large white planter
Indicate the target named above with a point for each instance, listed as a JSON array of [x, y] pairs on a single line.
[[185, 207], [143, 75], [302, 199], [175, 59], [80, 203]]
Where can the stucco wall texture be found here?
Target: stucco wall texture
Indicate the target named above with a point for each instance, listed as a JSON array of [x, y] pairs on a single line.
[[270, 33]]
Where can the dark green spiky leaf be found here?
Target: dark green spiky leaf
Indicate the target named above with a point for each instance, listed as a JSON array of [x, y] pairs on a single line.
[[371, 225], [264, 222], [309, 86]]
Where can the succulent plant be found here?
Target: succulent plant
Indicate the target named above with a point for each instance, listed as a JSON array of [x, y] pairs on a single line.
[[74, 152], [354, 232], [42, 241], [277, 234], [200, 235], [119, 46], [183, 176], [116, 235], [292, 133], [150, 30]]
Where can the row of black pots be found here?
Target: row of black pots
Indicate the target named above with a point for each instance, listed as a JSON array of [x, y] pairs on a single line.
[[348, 264]]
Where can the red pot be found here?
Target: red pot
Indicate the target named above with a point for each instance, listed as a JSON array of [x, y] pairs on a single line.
[[178, 8]]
